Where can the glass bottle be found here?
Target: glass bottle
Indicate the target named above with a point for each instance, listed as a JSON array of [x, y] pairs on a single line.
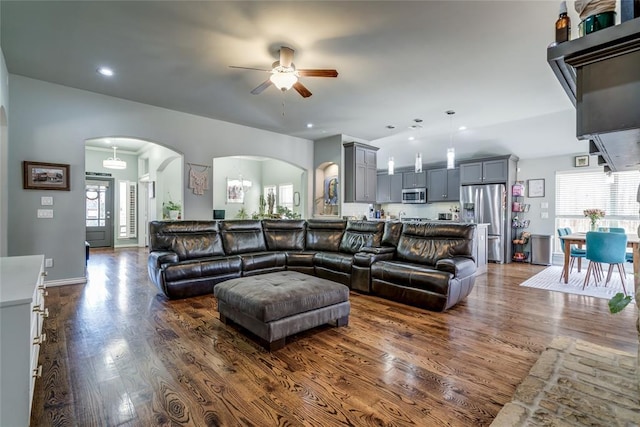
[[563, 24]]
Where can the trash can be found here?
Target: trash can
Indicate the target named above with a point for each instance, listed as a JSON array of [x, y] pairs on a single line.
[[541, 249]]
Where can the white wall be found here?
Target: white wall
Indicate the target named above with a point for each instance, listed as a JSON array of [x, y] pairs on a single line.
[[51, 122], [4, 154], [275, 172]]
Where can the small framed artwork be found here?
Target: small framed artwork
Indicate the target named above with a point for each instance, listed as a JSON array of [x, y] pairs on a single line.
[[296, 198], [236, 189], [535, 187], [581, 161], [45, 176], [331, 190]]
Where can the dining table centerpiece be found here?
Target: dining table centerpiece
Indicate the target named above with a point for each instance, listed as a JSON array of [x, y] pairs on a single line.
[[594, 215]]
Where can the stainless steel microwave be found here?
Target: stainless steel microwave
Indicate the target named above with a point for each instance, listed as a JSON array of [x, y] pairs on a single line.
[[414, 195]]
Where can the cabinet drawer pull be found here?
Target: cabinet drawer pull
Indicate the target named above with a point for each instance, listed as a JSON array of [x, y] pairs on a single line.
[[45, 313], [39, 340], [44, 293], [42, 286], [38, 309], [37, 373], [44, 273]]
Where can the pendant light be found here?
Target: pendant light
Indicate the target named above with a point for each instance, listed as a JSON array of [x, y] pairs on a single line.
[[390, 165], [418, 163], [114, 162], [451, 153]]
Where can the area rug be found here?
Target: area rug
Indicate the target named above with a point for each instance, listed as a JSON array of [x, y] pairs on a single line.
[[549, 279], [576, 383]]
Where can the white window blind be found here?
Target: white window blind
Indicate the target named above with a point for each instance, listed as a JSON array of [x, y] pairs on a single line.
[[577, 191], [285, 195], [127, 209]]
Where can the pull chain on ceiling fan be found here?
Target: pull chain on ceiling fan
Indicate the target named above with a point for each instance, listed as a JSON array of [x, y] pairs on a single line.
[[284, 74]]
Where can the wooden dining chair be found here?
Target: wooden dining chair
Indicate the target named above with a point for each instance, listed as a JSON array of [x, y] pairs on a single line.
[[605, 248]]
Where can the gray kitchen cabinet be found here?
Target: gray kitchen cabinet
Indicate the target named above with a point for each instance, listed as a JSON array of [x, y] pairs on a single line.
[[360, 177], [444, 185], [389, 188], [414, 180], [485, 172]]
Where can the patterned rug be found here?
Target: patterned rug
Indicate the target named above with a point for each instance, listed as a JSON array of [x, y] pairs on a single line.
[[549, 279]]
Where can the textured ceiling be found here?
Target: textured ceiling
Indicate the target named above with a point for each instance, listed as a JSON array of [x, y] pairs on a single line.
[[397, 61]]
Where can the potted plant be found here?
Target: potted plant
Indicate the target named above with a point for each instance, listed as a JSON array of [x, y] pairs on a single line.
[[173, 209]]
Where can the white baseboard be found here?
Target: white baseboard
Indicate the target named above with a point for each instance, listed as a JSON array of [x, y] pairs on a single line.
[[63, 282]]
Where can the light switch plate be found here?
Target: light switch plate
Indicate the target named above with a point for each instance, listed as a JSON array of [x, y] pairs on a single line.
[[46, 201], [544, 215], [544, 205], [45, 213]]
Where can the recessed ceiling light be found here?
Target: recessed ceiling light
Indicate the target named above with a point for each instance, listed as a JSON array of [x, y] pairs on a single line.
[[390, 126], [415, 127], [462, 128], [417, 120], [105, 71], [411, 138], [309, 125]]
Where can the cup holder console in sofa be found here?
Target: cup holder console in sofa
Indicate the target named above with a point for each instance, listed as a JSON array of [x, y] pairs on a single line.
[[428, 265]]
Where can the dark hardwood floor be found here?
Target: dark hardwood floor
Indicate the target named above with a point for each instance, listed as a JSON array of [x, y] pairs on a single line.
[[119, 354]]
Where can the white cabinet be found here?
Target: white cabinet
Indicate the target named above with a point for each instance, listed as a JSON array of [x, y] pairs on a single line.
[[22, 314]]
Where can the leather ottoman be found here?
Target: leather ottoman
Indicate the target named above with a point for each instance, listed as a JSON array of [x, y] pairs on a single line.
[[276, 305]]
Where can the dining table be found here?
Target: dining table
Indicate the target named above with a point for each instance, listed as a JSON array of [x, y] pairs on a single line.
[[580, 238]]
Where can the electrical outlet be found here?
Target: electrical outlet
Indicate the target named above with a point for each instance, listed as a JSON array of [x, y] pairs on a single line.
[[48, 262], [46, 201], [45, 213]]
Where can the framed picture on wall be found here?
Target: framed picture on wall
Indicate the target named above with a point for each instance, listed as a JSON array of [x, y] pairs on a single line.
[[536, 187], [235, 191], [45, 176], [331, 190]]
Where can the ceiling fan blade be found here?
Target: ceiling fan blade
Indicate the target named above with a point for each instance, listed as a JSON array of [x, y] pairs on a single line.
[[286, 56], [299, 87], [318, 73], [265, 84], [249, 68]]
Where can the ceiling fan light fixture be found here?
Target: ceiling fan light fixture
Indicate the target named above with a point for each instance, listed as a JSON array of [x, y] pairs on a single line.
[[114, 162], [283, 79]]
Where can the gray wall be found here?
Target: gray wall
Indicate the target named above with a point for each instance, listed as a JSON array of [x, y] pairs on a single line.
[[232, 168], [50, 122], [4, 154], [275, 172]]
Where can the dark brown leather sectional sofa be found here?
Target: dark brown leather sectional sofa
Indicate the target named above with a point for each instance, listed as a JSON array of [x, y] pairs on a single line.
[[428, 265]]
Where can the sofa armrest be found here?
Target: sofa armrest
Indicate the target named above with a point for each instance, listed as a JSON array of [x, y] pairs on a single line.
[[458, 266], [366, 258], [378, 250], [157, 258]]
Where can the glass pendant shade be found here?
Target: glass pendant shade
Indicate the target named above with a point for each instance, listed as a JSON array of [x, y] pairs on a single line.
[[283, 80], [391, 165], [418, 162], [114, 162], [451, 158]]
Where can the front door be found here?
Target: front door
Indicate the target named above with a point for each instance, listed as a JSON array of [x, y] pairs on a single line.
[[98, 210]]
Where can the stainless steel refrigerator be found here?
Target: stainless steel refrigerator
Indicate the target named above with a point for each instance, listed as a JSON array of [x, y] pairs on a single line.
[[486, 204]]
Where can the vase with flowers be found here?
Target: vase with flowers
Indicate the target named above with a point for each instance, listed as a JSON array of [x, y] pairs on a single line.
[[594, 215]]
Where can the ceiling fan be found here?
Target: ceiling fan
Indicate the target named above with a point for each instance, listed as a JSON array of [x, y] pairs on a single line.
[[284, 74]]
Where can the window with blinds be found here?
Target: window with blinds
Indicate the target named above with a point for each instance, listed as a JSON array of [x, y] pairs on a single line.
[[127, 209], [615, 194], [285, 195]]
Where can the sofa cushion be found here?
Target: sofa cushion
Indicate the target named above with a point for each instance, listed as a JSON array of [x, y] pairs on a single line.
[[359, 234], [263, 261], [412, 275], [300, 259], [391, 234], [333, 261], [188, 239], [426, 243], [284, 235], [203, 267], [242, 236], [325, 235]]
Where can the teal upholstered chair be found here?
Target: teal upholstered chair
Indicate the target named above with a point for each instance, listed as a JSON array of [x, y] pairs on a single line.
[[628, 255], [576, 252], [607, 248]]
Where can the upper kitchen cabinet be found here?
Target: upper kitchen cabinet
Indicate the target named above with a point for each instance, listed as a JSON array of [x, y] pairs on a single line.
[[599, 73], [444, 185], [389, 188], [484, 172], [360, 172], [414, 180]]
